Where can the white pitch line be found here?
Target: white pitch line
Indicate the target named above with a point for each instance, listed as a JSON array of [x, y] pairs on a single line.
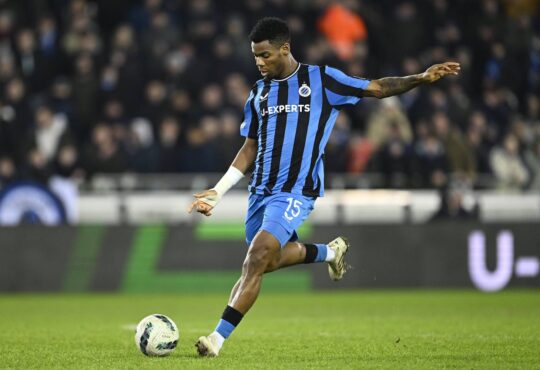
[[130, 327]]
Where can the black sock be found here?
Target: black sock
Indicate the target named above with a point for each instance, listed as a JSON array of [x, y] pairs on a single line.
[[311, 253], [232, 315], [229, 321]]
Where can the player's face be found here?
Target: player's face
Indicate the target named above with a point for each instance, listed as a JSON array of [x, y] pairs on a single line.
[[270, 58]]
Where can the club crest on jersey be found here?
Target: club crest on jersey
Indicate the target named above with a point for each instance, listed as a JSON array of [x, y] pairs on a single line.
[[304, 90]]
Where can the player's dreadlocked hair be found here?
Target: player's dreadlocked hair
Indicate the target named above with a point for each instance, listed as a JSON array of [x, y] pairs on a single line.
[[273, 29]]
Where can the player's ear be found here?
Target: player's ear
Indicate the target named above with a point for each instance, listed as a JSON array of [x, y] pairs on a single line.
[[285, 49]]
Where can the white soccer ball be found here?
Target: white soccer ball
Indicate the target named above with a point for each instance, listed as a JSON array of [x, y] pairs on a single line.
[[157, 335]]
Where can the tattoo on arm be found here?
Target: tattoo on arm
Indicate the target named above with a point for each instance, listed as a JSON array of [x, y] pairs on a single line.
[[398, 85]]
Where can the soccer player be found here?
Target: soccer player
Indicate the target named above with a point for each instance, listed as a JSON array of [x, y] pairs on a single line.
[[288, 118]]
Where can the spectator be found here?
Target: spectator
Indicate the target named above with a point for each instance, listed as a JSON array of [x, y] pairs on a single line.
[[104, 154], [176, 64], [67, 163], [211, 100], [200, 157], [497, 111], [47, 50], [123, 77], [7, 68], [48, 134], [343, 28], [337, 149], [113, 113], [171, 158], [452, 207], [61, 96], [360, 153], [507, 165], [181, 105], [394, 160], [155, 107], [28, 59], [143, 154], [36, 167], [140, 15], [224, 59], [460, 158], [157, 40], [236, 90], [404, 44], [477, 143], [533, 107], [229, 140], [85, 95], [532, 159], [388, 120], [16, 117], [7, 171], [430, 166]]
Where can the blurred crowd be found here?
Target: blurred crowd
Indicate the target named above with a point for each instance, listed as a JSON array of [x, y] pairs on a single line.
[[158, 86]]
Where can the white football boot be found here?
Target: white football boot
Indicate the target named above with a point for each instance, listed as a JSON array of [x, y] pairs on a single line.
[[207, 346], [337, 268]]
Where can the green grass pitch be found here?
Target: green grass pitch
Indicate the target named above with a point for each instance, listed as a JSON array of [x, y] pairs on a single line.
[[338, 330]]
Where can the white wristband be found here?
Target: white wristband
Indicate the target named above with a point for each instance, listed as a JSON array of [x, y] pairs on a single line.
[[231, 177]]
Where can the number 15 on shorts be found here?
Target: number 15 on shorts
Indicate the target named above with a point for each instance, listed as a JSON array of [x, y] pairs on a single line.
[[293, 209]]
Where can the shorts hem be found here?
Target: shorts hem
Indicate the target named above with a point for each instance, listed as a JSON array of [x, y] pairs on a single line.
[[283, 238]]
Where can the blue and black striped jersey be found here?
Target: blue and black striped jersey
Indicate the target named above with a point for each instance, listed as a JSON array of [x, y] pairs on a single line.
[[292, 120]]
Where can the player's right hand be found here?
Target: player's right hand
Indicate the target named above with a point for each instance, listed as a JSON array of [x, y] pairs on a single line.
[[204, 202]]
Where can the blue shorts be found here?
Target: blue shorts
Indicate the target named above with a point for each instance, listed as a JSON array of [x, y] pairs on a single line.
[[279, 214]]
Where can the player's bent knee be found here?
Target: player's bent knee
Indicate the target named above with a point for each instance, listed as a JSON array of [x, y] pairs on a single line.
[[259, 258], [256, 262], [263, 253]]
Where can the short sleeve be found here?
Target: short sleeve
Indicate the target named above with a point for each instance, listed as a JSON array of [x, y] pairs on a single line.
[[249, 125], [342, 89]]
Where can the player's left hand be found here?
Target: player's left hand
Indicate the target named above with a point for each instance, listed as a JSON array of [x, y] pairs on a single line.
[[437, 71]]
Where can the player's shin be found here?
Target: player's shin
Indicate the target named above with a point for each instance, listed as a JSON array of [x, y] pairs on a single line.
[[234, 290]]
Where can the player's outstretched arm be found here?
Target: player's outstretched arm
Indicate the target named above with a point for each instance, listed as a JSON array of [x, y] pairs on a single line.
[[389, 86], [205, 201]]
